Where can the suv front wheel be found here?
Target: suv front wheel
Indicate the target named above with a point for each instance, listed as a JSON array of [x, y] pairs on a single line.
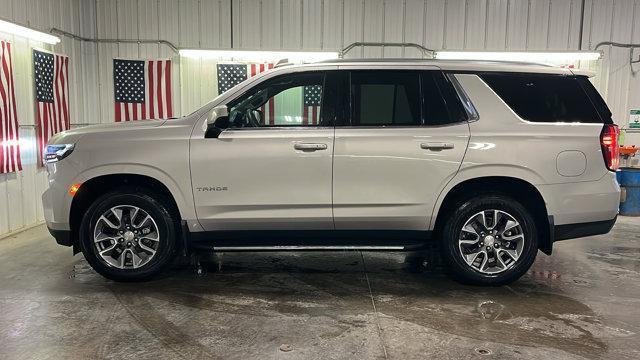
[[489, 240], [128, 235]]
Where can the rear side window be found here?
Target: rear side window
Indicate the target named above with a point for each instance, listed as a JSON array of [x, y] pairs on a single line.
[[544, 97], [596, 99], [441, 103], [382, 98]]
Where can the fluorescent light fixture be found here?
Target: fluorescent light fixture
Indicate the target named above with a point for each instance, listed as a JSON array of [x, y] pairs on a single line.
[[527, 56], [15, 29], [246, 55]]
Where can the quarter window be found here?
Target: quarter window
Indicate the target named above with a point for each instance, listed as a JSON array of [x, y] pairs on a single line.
[[288, 100], [385, 98], [544, 97]]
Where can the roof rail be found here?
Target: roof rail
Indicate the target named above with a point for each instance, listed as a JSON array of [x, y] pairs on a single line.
[[426, 52], [282, 62]]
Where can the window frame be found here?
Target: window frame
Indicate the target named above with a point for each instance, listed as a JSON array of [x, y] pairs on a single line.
[[573, 77], [351, 100], [264, 84], [460, 96]]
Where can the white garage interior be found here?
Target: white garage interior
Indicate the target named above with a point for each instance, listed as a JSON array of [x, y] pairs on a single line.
[[580, 303]]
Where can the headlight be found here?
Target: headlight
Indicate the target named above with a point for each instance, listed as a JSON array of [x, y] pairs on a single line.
[[57, 152]]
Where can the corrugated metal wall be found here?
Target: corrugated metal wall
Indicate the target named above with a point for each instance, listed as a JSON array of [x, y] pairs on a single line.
[[294, 24], [20, 192]]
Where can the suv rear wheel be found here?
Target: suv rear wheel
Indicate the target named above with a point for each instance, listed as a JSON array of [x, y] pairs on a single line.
[[128, 235], [489, 240]]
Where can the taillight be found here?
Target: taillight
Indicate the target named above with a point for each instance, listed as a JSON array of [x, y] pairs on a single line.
[[610, 146]]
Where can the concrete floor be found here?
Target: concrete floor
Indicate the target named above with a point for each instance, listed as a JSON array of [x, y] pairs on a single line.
[[583, 302]]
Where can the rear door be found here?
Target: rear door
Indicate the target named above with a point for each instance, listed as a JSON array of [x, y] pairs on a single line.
[[404, 139]]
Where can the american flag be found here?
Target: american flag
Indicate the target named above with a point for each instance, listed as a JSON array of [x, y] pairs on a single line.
[[9, 146], [51, 74], [312, 99], [142, 89], [230, 75]]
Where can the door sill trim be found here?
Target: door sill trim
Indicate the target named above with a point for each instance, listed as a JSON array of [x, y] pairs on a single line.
[[307, 248]]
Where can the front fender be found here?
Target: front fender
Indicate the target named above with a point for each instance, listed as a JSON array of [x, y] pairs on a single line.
[[182, 198]]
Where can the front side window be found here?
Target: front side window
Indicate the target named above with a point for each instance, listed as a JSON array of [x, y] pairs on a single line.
[[385, 98], [287, 100]]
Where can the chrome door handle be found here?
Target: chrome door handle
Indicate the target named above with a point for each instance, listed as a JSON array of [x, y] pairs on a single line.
[[436, 146], [310, 147]]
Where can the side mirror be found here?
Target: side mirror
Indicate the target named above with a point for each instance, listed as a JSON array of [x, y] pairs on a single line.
[[217, 121]]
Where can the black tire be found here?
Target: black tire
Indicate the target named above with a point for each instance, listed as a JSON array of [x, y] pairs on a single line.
[[155, 206], [451, 232]]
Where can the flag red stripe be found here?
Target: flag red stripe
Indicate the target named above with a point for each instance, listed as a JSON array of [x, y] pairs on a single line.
[[4, 124], [151, 99], [45, 122], [167, 77], [117, 112], [8, 155], [7, 109], [58, 110], [64, 71], [305, 115], [126, 112], [159, 90], [14, 112]]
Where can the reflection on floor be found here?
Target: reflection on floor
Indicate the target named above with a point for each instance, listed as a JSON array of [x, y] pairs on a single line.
[[582, 302]]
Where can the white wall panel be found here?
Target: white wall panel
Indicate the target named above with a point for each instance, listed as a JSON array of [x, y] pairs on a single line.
[[374, 26], [434, 24], [312, 20], [389, 27], [291, 24], [414, 14], [333, 24], [454, 24], [270, 32], [353, 25], [538, 24], [189, 20], [517, 24], [496, 24], [475, 25]]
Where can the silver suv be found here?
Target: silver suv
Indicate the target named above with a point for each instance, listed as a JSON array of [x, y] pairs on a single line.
[[491, 162]]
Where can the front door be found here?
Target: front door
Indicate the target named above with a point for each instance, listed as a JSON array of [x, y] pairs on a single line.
[[272, 169], [403, 143]]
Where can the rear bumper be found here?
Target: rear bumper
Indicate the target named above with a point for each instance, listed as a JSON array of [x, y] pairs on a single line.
[[63, 237], [572, 231], [582, 202]]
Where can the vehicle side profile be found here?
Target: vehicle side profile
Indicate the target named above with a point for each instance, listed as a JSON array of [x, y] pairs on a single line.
[[490, 161]]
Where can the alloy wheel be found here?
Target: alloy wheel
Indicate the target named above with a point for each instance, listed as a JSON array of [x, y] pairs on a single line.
[[126, 237], [491, 241]]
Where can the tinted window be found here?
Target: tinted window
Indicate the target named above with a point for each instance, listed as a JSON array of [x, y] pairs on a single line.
[[543, 97], [385, 98], [441, 103], [288, 100], [596, 99]]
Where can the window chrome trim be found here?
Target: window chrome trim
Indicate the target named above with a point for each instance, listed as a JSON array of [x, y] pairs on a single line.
[[280, 127]]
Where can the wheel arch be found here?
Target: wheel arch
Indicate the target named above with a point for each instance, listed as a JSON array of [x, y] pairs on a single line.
[[94, 187], [519, 189]]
